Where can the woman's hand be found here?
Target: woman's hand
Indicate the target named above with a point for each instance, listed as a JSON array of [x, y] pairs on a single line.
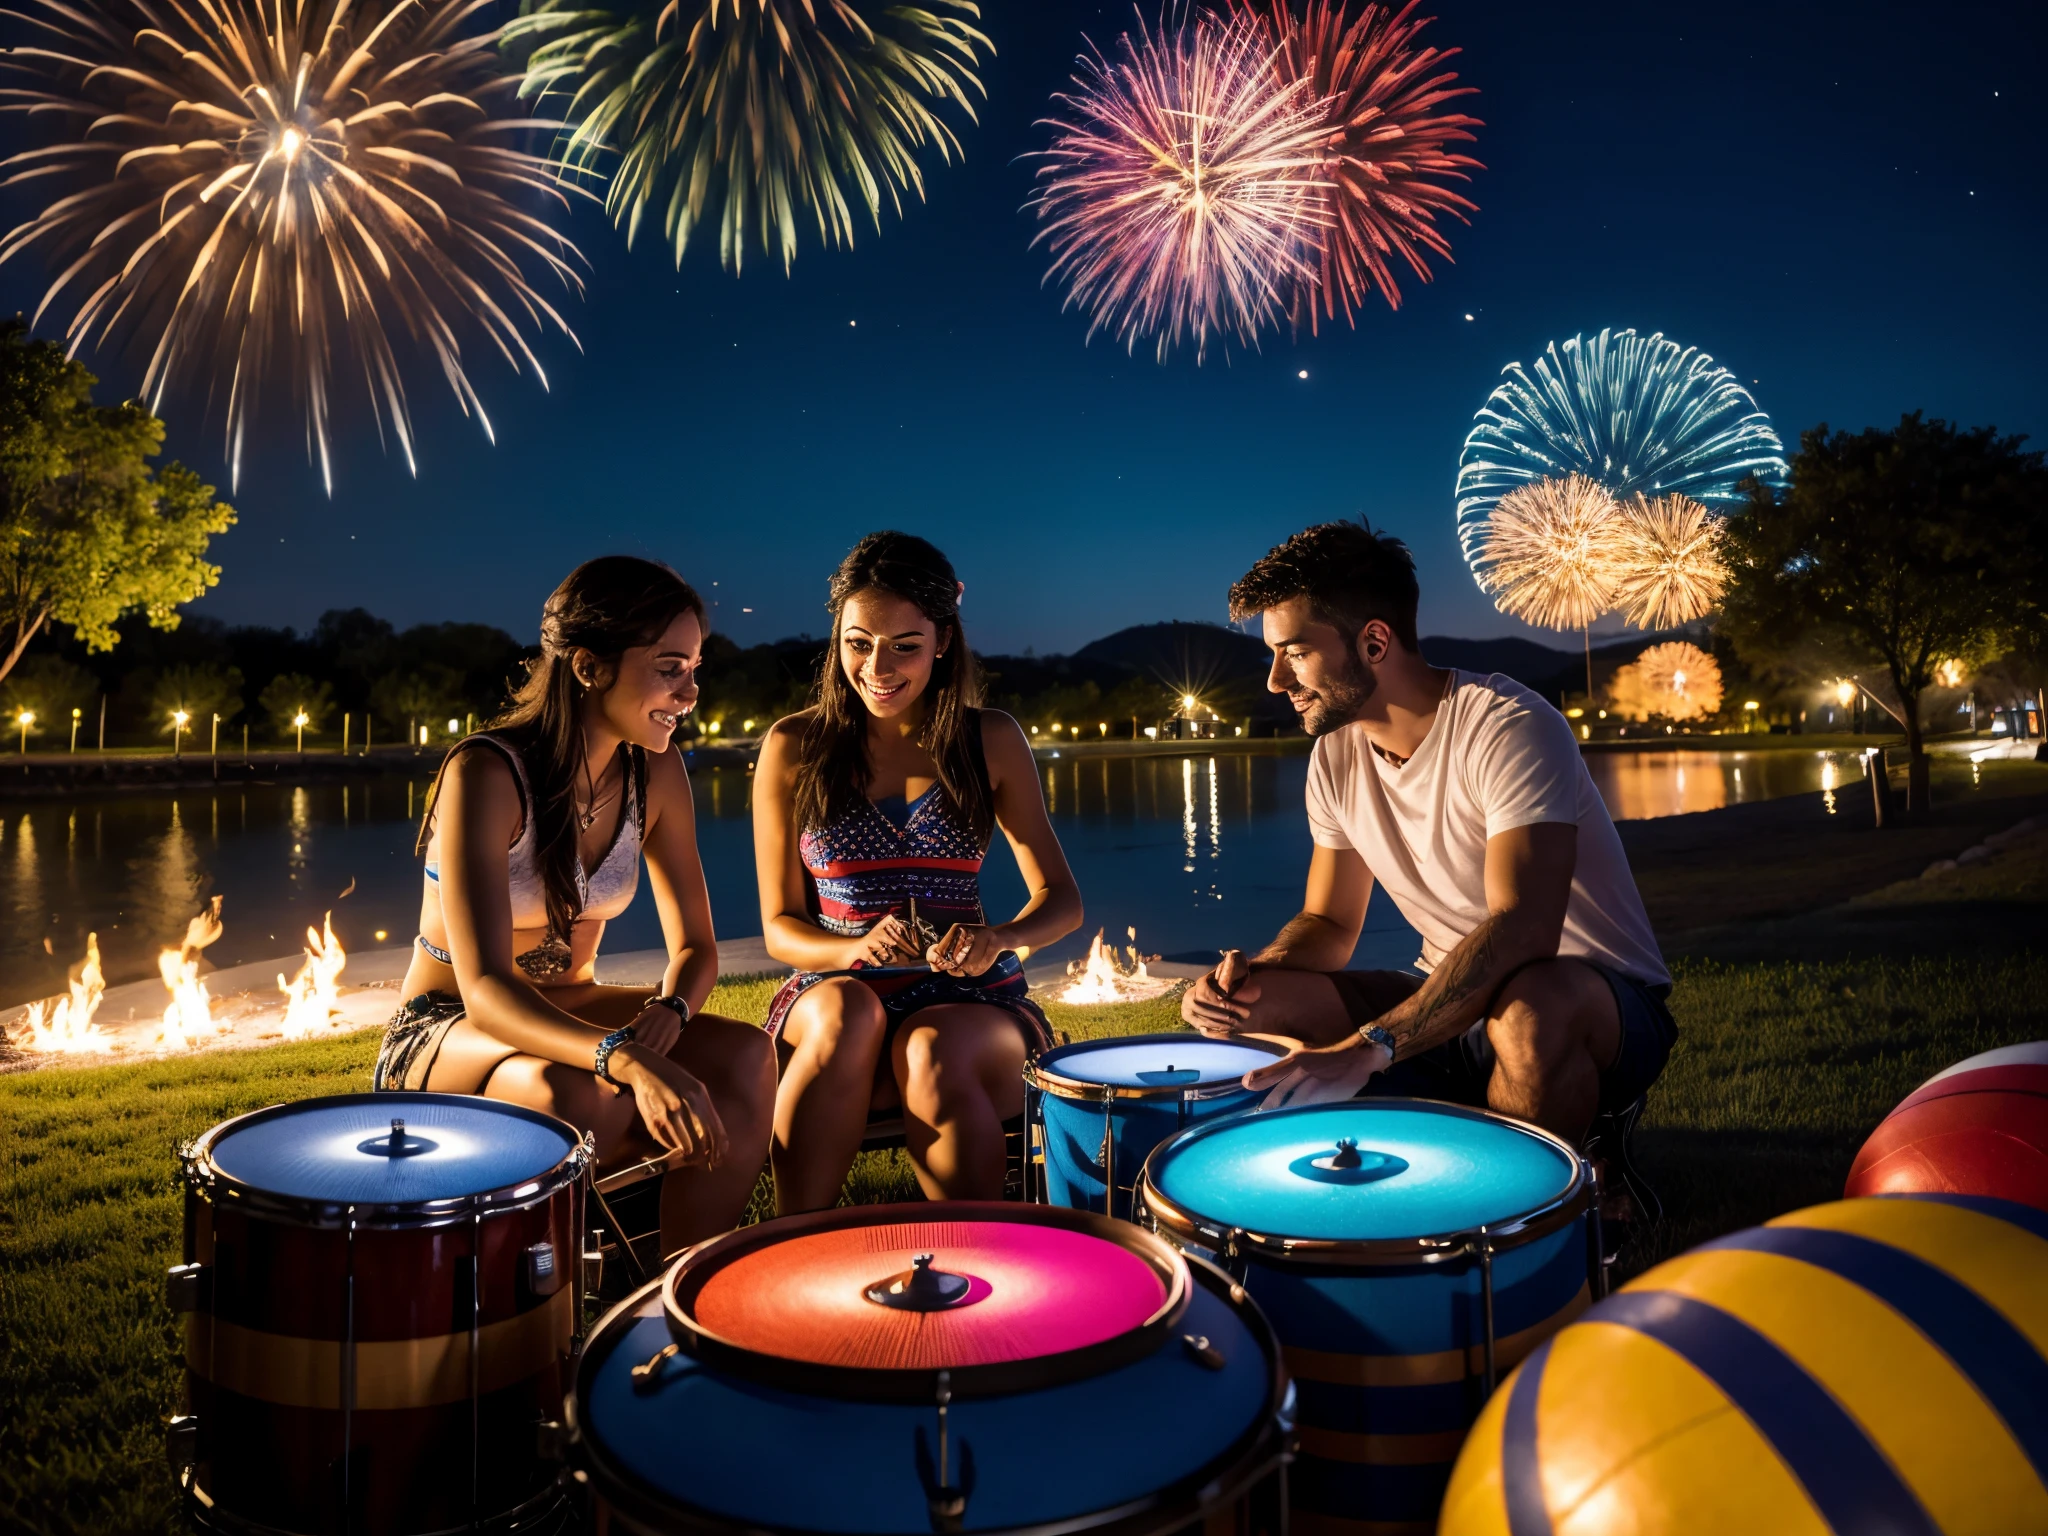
[[889, 942], [658, 1027], [674, 1106], [965, 950]]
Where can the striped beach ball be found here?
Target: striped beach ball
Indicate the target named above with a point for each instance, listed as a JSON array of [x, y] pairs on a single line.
[[1868, 1366], [1980, 1128]]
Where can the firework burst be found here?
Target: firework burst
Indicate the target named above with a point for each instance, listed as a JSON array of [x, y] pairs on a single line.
[[1639, 414], [1384, 150], [1552, 552], [1673, 681], [247, 192], [1669, 569], [755, 115], [1180, 197]]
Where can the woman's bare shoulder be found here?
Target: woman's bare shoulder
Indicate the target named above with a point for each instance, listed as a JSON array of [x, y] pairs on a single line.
[[1002, 739]]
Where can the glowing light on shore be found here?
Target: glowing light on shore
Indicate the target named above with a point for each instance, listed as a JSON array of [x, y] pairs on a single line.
[[1180, 198], [313, 995], [65, 1027], [1552, 552], [1106, 977]]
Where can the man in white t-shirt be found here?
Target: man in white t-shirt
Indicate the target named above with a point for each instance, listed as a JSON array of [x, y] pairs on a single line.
[[1539, 992]]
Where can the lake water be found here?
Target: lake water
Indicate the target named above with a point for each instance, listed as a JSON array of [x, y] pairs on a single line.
[[1197, 852]]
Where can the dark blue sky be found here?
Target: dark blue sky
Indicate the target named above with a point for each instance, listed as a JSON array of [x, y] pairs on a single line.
[[1843, 202]]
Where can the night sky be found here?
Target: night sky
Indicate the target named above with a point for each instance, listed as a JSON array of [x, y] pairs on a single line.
[[1844, 203]]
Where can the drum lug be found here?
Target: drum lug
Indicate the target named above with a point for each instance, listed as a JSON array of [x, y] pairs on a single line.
[[181, 1441], [185, 1287], [551, 1439], [593, 1264], [543, 1275]]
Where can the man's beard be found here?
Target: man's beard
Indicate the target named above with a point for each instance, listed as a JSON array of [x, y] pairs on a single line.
[[1340, 700]]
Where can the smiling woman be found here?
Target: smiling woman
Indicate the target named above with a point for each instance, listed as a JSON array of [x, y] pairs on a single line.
[[533, 838]]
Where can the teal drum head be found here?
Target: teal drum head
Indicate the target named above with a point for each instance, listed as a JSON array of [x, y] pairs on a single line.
[[1368, 1171], [1139, 1064]]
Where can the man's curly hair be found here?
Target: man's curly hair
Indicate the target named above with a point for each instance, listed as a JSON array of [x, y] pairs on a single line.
[[1349, 574]]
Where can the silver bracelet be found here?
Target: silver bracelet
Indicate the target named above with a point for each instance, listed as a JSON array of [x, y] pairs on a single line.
[[611, 1042]]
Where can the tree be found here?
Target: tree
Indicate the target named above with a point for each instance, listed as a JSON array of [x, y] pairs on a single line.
[[430, 693], [290, 694], [1888, 554], [199, 693], [87, 532]]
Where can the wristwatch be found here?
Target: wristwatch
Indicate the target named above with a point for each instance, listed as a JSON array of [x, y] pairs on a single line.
[[611, 1042], [1373, 1034], [676, 1002]]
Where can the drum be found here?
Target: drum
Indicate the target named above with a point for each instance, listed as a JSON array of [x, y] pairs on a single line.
[[1101, 1106], [381, 1299], [1406, 1251], [954, 1367]]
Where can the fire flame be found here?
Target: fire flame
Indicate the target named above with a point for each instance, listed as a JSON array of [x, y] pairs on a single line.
[[189, 1018], [66, 1027], [312, 995], [1104, 978]]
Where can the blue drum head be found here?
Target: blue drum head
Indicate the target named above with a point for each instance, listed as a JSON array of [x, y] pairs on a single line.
[[1385, 1170], [1166, 1062], [346, 1150]]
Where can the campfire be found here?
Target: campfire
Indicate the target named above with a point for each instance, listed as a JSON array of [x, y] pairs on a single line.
[[188, 1020], [66, 1027], [312, 995], [1107, 977]]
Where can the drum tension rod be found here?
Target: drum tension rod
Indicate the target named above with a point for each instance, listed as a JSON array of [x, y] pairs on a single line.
[[946, 1499]]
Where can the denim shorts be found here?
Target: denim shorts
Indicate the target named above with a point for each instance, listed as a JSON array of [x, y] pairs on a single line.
[[1459, 1069]]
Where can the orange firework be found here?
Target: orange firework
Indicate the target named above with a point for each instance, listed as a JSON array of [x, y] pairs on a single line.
[[1670, 569]]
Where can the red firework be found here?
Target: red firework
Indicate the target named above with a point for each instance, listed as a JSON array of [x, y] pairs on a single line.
[[1386, 157]]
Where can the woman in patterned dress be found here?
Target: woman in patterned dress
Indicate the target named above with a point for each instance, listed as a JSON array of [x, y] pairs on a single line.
[[885, 793]]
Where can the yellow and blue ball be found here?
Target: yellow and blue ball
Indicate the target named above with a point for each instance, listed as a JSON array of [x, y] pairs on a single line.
[[1876, 1365]]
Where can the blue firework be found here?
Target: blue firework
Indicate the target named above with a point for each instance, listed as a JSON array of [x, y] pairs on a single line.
[[1637, 413]]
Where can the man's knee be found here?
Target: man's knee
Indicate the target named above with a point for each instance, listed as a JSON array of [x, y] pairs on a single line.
[[1542, 1014]]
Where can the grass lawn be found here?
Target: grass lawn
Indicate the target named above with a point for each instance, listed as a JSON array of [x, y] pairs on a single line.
[[1783, 1066]]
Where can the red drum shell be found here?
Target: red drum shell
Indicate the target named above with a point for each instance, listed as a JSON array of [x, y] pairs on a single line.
[[269, 1356]]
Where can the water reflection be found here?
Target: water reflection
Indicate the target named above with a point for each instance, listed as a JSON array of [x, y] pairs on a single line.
[[1145, 839]]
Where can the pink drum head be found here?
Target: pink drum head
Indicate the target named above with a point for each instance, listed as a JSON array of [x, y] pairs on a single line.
[[1032, 1284]]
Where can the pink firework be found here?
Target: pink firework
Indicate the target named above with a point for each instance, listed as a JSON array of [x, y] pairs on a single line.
[[1180, 197], [1384, 149]]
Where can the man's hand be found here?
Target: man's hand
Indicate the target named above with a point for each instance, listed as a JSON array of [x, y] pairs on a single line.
[[1220, 1003], [1323, 1074]]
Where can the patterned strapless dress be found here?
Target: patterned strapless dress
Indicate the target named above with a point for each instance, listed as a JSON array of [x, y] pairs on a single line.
[[864, 866]]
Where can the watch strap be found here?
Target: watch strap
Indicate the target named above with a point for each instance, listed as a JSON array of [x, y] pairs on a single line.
[[675, 1002], [1374, 1034]]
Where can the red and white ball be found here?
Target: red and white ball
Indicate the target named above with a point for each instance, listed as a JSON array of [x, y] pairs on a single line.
[[1980, 1128]]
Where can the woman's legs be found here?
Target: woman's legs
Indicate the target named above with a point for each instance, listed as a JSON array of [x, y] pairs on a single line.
[[960, 1069], [734, 1061], [830, 1044]]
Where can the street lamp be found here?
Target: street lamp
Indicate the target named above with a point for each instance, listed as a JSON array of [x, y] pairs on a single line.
[[179, 719], [76, 714], [25, 719], [299, 720], [1845, 692]]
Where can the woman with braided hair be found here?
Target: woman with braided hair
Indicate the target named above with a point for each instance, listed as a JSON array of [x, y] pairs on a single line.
[[534, 834], [873, 810]]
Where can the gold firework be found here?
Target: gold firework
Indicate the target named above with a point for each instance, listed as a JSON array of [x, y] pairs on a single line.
[[1670, 570], [252, 191], [1673, 681], [1551, 552]]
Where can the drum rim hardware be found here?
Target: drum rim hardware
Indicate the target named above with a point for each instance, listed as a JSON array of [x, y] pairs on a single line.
[[1433, 1248], [204, 1175], [691, 1269], [1265, 1447], [1046, 1081]]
